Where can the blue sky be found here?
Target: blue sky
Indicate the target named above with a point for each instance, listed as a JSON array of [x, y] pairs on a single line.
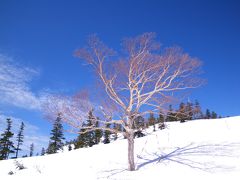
[[37, 40]]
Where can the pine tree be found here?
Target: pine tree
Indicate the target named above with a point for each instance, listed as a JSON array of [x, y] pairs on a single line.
[[69, 147], [139, 122], [81, 140], [6, 145], [197, 112], [115, 135], [208, 114], [43, 152], [97, 133], [88, 138], [31, 150], [181, 113], [119, 127], [56, 140], [107, 134], [161, 118], [20, 137], [90, 134], [171, 115], [189, 111], [151, 119], [161, 124], [214, 115]]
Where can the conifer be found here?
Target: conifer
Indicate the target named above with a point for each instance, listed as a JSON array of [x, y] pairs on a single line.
[[31, 150], [107, 134], [56, 140], [20, 137], [6, 145]]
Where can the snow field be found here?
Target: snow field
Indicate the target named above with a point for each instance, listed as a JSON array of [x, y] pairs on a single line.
[[199, 149]]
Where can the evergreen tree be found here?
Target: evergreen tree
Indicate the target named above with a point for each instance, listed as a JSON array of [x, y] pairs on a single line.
[[146, 125], [86, 137], [97, 134], [56, 140], [31, 150], [43, 152], [119, 127], [161, 124], [69, 147], [20, 137], [139, 123], [171, 115], [107, 134], [90, 134], [181, 113], [115, 135], [81, 139], [189, 111], [214, 115], [161, 118], [208, 114], [6, 145], [151, 119], [197, 112]]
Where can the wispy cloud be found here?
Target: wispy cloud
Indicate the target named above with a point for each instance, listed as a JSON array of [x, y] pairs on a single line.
[[14, 84], [15, 90], [32, 133]]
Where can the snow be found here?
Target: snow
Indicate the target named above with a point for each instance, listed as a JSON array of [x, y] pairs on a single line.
[[199, 149]]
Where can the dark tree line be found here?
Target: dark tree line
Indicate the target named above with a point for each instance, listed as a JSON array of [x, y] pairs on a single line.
[[88, 138], [184, 112], [9, 149], [7, 145], [189, 111]]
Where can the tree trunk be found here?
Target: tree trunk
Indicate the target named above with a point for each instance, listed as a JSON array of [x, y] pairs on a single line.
[[17, 150], [17, 153], [131, 163]]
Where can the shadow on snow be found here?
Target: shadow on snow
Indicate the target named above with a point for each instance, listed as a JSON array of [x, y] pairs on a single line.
[[190, 156]]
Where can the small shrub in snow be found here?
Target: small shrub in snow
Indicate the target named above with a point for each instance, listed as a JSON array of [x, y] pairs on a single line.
[[161, 126], [38, 169], [19, 166], [138, 134], [10, 173]]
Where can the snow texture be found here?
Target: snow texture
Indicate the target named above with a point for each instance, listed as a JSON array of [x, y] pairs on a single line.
[[199, 149]]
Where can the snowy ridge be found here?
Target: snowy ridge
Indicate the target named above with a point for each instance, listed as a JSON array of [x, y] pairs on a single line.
[[199, 149]]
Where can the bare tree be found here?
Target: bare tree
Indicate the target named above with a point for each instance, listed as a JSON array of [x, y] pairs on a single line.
[[140, 80]]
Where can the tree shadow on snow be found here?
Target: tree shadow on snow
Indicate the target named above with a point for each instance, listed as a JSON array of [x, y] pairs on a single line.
[[108, 174], [203, 157]]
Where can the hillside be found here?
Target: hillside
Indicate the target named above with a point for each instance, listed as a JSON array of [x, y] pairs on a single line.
[[199, 149]]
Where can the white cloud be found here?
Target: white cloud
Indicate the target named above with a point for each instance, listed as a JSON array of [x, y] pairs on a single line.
[[32, 134], [15, 90], [14, 84]]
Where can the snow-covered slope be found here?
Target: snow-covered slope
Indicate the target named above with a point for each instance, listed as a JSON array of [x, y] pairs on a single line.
[[200, 149]]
